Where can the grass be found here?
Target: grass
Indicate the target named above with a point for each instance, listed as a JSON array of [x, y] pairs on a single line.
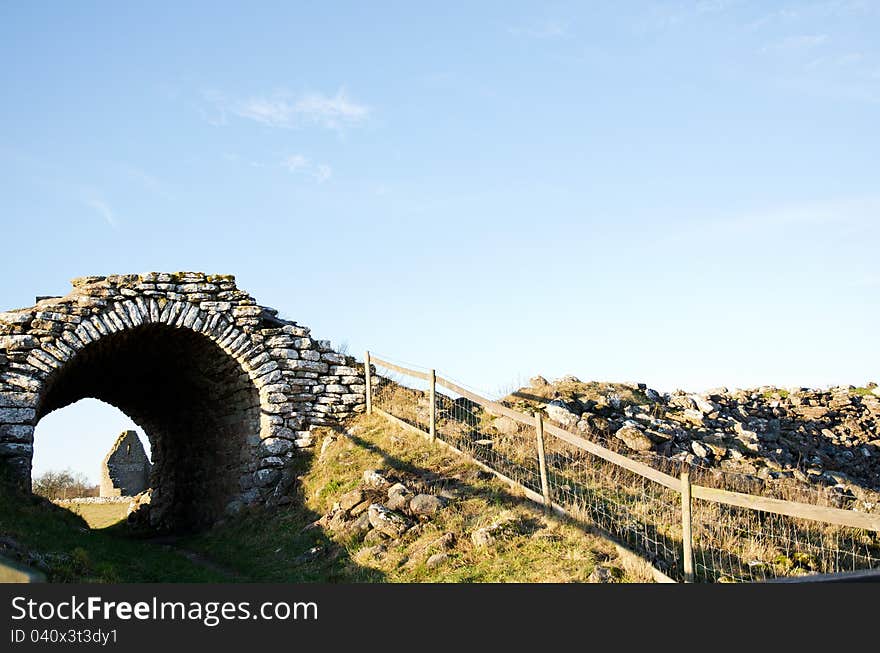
[[72, 552], [777, 393], [533, 398], [730, 543], [283, 545], [99, 515], [536, 548]]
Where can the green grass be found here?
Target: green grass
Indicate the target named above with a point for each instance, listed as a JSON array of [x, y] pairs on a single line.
[[99, 515], [74, 553], [538, 549], [775, 393], [528, 399], [283, 545]]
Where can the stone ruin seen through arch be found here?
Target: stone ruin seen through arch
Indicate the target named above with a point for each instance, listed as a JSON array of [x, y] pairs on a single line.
[[224, 389], [125, 470]]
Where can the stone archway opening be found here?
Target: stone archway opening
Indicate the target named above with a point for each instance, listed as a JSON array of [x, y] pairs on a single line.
[[226, 391], [78, 437], [196, 404]]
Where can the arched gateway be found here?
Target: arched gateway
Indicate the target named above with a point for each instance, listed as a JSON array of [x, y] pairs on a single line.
[[224, 389]]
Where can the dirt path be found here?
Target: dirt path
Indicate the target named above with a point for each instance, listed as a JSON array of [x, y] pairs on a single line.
[[171, 543]]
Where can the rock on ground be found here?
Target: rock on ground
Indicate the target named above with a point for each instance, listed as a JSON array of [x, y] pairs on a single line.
[[634, 438]]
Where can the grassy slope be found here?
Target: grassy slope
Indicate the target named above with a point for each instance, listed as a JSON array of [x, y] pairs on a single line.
[[275, 545], [272, 547], [74, 553]]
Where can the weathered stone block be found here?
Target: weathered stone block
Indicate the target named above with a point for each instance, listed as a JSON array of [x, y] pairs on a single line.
[[278, 409], [23, 381], [18, 399], [15, 449], [215, 306], [197, 288], [310, 366], [12, 317], [16, 433], [275, 446], [247, 311], [285, 354], [18, 342], [266, 477]]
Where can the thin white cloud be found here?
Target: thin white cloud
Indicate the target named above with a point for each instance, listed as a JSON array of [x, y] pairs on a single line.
[[103, 210], [295, 162], [798, 43], [274, 113], [285, 112], [714, 6], [661, 17], [816, 11], [300, 165], [323, 172], [549, 29], [836, 61], [331, 111], [782, 15]]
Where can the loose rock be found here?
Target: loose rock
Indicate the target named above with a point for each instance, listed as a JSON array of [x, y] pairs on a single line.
[[425, 504]]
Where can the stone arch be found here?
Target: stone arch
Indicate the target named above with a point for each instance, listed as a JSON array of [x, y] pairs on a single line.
[[225, 389]]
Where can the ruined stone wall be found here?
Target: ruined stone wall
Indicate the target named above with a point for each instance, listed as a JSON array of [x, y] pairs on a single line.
[[225, 390], [125, 470]]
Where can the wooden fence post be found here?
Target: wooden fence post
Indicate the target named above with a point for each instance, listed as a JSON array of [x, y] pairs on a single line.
[[433, 398], [687, 537], [368, 379], [542, 462]]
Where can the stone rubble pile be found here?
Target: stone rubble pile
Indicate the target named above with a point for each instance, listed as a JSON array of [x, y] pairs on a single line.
[[379, 511], [827, 437]]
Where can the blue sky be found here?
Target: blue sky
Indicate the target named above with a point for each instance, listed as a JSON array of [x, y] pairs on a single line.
[[680, 193]]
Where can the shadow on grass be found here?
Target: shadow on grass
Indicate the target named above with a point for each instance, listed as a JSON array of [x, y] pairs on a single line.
[[258, 545], [59, 543], [278, 544]]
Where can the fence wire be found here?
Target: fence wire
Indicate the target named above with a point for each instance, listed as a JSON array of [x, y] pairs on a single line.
[[406, 398], [638, 512], [511, 451], [735, 544], [730, 543]]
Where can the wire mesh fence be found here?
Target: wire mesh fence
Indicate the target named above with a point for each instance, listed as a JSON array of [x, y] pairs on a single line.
[[466, 426], [735, 544], [405, 397], [730, 543], [638, 512]]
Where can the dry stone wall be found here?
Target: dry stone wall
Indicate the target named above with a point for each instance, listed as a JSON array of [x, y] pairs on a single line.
[[225, 390]]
